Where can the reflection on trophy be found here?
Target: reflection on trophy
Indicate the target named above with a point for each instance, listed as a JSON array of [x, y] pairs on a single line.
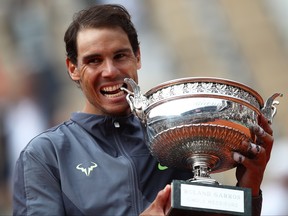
[[196, 124]]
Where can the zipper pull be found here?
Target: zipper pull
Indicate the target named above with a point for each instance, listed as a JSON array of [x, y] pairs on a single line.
[[116, 124]]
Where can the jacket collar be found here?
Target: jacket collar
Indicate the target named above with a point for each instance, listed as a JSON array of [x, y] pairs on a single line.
[[91, 121]]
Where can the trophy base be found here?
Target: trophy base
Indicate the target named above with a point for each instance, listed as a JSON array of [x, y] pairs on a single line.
[[190, 198]]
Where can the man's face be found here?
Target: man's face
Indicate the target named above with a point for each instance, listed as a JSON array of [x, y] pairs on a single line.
[[105, 58]]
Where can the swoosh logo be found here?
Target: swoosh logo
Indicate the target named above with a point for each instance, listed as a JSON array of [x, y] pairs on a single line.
[[160, 167]]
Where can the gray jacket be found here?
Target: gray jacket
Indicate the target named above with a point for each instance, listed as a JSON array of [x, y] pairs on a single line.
[[89, 165]]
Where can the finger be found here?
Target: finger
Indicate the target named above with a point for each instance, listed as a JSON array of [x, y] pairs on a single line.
[[239, 158], [252, 149], [158, 206], [168, 203], [264, 123], [255, 149], [257, 156], [259, 132], [263, 138], [163, 196]]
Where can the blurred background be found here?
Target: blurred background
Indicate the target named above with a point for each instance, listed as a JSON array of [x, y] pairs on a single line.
[[246, 41]]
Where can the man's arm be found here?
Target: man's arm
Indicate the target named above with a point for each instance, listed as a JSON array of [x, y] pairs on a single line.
[[36, 190]]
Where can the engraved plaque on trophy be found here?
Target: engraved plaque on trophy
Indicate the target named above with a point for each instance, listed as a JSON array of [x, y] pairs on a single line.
[[195, 124]]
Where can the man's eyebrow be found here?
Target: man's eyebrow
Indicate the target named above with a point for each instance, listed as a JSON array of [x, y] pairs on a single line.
[[95, 55], [123, 50], [90, 56]]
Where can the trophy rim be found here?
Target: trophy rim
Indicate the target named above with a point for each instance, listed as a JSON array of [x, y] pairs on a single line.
[[201, 95], [207, 80]]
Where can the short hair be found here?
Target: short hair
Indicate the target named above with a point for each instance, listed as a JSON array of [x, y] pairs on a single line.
[[97, 16]]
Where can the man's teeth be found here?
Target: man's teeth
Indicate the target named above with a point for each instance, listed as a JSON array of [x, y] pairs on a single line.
[[112, 91], [114, 95], [112, 88]]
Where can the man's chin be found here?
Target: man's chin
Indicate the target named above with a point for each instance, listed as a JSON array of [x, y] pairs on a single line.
[[119, 111]]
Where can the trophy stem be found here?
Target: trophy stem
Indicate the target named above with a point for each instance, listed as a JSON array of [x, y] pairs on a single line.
[[201, 169], [202, 175]]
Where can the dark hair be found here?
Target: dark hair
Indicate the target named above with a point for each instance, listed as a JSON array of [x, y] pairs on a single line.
[[108, 15]]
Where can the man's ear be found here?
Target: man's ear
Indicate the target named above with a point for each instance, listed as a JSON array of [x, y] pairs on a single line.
[[72, 70]]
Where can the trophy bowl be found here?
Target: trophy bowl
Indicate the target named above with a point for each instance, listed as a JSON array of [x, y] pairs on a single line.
[[196, 123]]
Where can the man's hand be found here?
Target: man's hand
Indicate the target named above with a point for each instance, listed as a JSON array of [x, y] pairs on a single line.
[[250, 170], [160, 206]]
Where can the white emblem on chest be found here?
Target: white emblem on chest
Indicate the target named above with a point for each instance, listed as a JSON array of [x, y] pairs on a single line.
[[87, 170]]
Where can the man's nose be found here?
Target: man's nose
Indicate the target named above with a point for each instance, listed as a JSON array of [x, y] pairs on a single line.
[[109, 69]]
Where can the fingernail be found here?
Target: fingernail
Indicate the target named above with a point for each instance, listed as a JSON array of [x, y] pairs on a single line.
[[238, 157], [256, 128], [258, 149], [261, 132], [255, 148], [166, 187], [250, 147]]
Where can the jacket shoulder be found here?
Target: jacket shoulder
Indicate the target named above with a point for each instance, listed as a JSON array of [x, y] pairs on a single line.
[[53, 139]]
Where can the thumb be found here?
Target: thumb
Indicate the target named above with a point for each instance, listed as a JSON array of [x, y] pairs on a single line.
[[159, 205], [163, 197]]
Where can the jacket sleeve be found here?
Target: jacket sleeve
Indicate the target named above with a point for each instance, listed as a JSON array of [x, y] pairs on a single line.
[[257, 205], [36, 189]]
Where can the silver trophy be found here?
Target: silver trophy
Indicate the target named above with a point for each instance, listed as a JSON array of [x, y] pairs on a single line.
[[195, 124]]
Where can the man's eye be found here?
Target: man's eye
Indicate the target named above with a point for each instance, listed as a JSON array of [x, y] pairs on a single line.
[[120, 56], [94, 61]]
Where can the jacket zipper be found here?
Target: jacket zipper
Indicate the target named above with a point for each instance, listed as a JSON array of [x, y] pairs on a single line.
[[135, 193]]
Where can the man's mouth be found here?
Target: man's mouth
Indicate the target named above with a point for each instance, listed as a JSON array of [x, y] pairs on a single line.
[[113, 91]]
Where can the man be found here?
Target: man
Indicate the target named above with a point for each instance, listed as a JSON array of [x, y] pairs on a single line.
[[97, 163]]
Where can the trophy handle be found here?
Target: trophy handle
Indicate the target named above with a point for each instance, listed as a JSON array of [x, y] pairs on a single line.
[[269, 110], [135, 99]]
